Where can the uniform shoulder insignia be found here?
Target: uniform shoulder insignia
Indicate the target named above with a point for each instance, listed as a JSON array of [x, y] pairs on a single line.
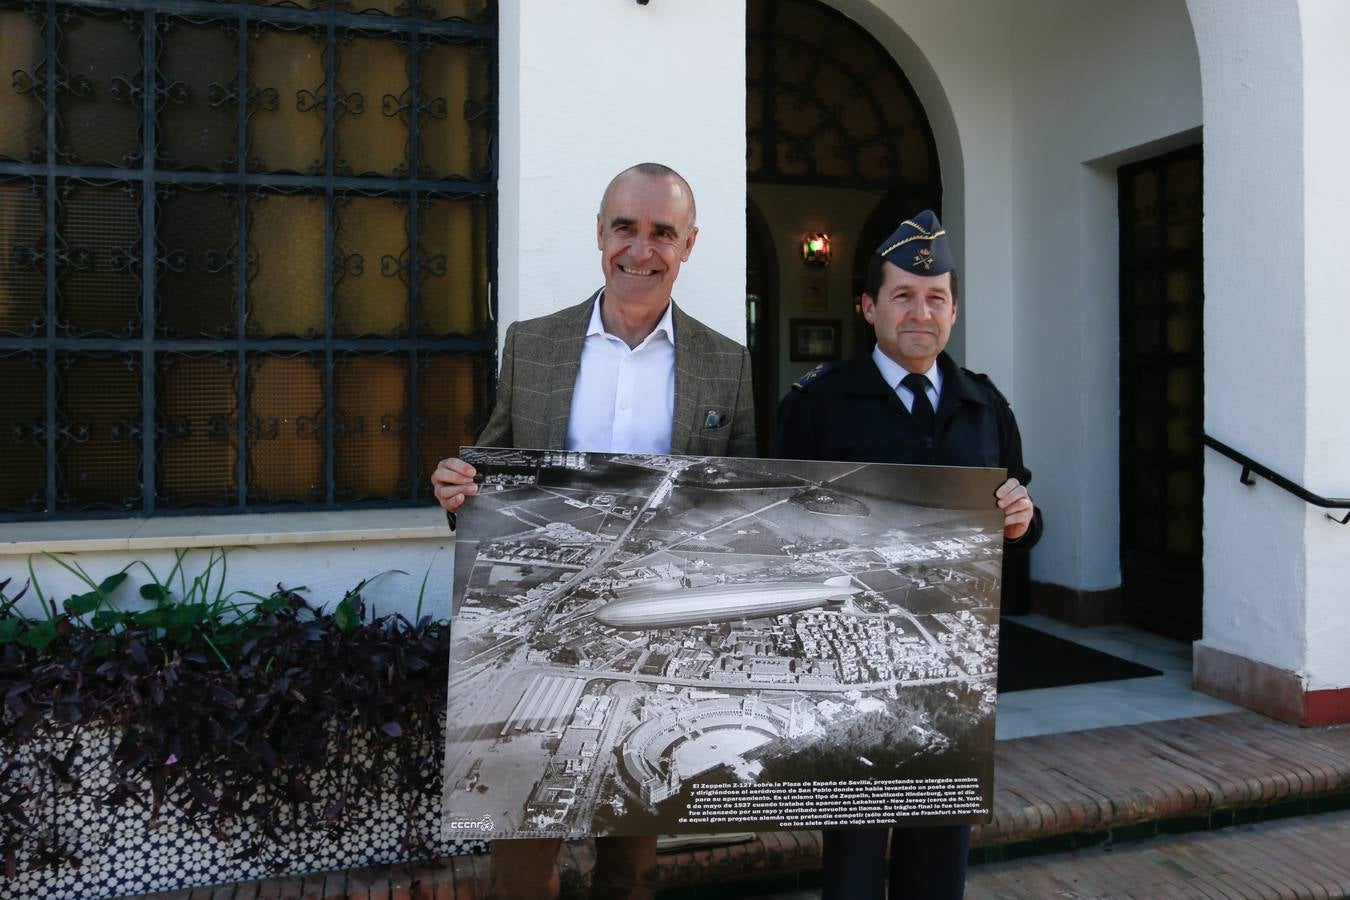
[[814, 375], [987, 383]]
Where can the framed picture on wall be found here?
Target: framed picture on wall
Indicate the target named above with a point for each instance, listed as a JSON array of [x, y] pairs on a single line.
[[815, 292], [814, 340]]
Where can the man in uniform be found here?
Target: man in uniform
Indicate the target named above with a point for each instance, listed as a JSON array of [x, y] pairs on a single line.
[[625, 371], [908, 402]]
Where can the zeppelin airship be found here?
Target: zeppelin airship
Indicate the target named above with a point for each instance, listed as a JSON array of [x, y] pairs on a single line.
[[656, 608]]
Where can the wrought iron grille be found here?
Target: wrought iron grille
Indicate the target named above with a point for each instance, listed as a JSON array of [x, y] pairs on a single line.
[[827, 105], [246, 251]]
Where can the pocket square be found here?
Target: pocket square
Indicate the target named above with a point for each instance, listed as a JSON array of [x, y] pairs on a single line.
[[715, 419]]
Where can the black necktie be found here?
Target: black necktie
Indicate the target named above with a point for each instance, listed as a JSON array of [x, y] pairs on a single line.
[[922, 410]]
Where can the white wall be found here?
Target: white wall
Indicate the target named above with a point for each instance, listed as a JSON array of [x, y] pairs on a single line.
[[1325, 28], [1095, 85], [1251, 54], [590, 89]]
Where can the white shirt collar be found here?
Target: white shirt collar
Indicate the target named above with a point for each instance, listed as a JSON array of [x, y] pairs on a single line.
[[665, 327], [893, 373]]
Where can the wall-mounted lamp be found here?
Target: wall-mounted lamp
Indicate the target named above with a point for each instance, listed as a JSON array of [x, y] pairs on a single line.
[[816, 250]]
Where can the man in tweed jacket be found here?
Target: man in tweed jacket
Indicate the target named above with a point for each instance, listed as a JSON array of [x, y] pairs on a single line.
[[713, 413], [625, 371]]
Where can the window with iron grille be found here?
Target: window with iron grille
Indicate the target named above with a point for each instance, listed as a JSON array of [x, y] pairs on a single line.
[[246, 251]]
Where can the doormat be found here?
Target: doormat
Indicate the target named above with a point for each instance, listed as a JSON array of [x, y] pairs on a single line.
[[1029, 658]]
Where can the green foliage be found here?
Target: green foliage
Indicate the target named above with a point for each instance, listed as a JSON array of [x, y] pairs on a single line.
[[230, 707], [346, 615]]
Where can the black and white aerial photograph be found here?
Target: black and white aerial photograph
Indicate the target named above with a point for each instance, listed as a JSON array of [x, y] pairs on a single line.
[[673, 644]]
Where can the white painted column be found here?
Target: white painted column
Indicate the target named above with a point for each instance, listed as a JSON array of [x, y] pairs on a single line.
[[1276, 203], [1326, 558], [588, 89], [1251, 79]]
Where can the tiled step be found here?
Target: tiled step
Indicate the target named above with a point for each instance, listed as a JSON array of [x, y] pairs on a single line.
[[1052, 793], [1194, 772], [1290, 859]]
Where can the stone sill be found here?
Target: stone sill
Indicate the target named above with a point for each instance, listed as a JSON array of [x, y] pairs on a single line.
[[256, 529]]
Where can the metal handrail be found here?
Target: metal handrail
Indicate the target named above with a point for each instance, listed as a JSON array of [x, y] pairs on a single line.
[[1250, 465]]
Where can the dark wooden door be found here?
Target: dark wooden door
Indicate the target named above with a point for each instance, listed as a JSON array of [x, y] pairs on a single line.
[[1162, 392]]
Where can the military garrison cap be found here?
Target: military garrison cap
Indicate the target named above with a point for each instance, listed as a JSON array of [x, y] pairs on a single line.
[[919, 246]]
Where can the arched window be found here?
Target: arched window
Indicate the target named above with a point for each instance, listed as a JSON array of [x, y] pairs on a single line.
[[827, 105], [835, 135]]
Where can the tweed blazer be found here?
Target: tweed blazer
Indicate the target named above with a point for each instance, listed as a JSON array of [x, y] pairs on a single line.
[[714, 402]]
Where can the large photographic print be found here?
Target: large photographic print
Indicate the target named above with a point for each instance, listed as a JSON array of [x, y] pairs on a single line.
[[665, 644]]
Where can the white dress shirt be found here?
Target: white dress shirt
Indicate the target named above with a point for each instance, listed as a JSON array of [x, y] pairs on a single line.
[[893, 373], [624, 399]]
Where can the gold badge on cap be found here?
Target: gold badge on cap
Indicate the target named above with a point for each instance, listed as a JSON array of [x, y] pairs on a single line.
[[924, 258]]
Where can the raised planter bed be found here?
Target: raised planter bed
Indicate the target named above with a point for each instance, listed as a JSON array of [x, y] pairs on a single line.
[[200, 739]]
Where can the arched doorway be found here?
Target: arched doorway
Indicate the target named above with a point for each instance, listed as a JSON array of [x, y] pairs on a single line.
[[837, 142]]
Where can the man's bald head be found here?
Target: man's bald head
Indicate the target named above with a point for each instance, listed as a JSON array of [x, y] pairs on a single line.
[[645, 230], [652, 170]]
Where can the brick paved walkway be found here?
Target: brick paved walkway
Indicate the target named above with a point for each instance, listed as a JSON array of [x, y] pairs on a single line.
[[1206, 768], [1297, 858], [1052, 793]]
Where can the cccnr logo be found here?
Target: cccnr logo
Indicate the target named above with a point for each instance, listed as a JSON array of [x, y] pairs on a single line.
[[483, 824]]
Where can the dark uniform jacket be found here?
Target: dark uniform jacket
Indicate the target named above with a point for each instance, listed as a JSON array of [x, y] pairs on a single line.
[[848, 413]]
